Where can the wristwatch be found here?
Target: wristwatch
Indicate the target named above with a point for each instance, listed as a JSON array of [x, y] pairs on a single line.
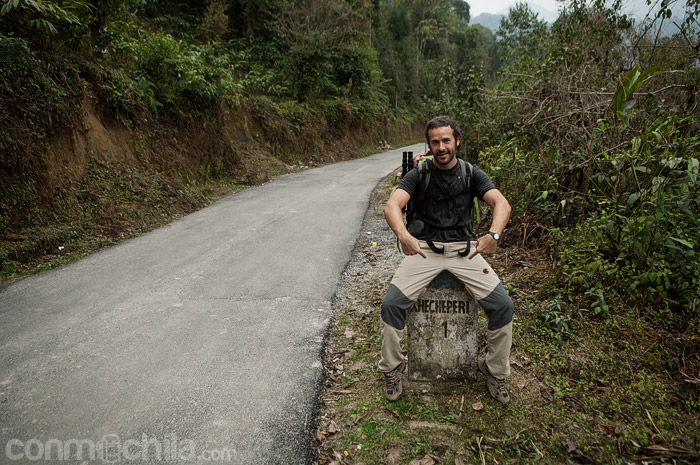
[[495, 236]]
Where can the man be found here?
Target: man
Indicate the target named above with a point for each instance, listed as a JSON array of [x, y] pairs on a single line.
[[440, 242]]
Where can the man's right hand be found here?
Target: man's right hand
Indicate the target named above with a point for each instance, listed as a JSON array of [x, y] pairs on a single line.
[[417, 158], [411, 246], [392, 213]]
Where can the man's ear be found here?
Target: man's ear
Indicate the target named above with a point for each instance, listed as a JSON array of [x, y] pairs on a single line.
[[458, 141]]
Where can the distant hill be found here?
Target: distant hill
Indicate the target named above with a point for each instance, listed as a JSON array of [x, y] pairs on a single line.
[[493, 21], [637, 9], [488, 20]]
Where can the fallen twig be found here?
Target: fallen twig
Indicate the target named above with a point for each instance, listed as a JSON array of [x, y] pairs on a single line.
[[481, 451], [652, 421], [660, 452], [361, 417]]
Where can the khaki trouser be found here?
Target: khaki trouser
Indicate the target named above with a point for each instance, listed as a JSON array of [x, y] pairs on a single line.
[[410, 281]]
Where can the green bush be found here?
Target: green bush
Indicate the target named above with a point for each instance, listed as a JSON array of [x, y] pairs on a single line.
[[527, 177], [639, 245], [166, 72], [30, 96], [42, 21], [179, 72], [309, 68]]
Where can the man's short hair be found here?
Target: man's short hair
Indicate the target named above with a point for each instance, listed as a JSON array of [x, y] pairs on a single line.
[[441, 122]]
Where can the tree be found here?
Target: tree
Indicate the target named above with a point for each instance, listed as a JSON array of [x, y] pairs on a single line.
[[105, 11], [329, 53], [461, 8], [474, 48], [38, 20], [215, 22], [395, 49], [522, 34]]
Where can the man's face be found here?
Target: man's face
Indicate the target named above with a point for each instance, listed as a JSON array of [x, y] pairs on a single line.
[[443, 145]]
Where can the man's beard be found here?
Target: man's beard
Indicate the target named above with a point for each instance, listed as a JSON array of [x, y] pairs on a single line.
[[449, 160]]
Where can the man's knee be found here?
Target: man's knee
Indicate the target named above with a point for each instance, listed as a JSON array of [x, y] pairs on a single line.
[[498, 307], [394, 307]]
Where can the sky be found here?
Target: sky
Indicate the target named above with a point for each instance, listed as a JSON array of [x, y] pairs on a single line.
[[636, 7], [501, 6]]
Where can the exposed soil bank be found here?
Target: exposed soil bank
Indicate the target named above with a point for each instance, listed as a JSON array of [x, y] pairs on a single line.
[[96, 178]]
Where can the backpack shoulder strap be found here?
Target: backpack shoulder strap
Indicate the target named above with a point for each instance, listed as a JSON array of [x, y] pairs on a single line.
[[423, 178], [466, 166], [472, 202]]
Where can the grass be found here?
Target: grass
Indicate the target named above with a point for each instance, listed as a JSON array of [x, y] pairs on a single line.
[[611, 390]]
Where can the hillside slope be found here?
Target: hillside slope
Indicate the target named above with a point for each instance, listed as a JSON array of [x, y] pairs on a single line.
[[93, 181]]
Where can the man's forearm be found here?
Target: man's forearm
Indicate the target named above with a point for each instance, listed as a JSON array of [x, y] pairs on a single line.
[[501, 210], [394, 219], [501, 215], [392, 212]]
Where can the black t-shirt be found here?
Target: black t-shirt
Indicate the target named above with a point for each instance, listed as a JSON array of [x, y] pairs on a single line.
[[445, 205]]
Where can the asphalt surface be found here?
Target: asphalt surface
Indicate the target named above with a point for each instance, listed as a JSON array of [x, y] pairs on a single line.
[[200, 341]]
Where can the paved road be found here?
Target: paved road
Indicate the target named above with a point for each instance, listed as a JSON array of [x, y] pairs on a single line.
[[202, 339]]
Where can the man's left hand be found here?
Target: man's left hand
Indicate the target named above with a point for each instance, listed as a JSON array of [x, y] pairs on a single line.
[[484, 245]]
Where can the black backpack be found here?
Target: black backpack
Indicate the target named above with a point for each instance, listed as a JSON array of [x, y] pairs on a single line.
[[415, 225]]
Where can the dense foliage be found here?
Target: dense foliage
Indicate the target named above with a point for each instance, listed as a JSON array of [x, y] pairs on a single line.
[[589, 124], [600, 142]]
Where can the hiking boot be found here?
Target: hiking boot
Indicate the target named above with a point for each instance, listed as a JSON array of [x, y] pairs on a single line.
[[394, 382], [497, 387]]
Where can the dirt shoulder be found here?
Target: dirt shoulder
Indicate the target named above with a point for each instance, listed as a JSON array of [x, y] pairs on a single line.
[[583, 396]]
